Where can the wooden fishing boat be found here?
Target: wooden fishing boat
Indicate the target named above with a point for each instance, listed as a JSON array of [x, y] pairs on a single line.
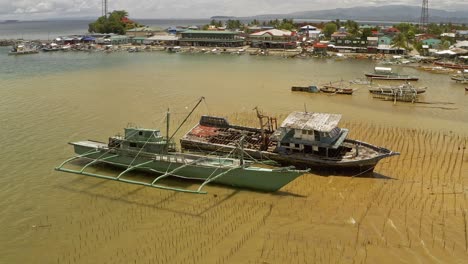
[[384, 73], [22, 50], [461, 77], [309, 89], [147, 150], [404, 88], [451, 65], [304, 140], [437, 69], [403, 93], [336, 90]]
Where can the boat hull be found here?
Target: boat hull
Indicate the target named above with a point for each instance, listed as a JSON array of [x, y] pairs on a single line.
[[451, 65], [22, 52], [391, 78], [300, 160], [309, 89], [334, 90], [255, 178], [391, 91]]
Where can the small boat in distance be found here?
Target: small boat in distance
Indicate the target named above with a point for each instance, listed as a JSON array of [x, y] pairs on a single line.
[[403, 93], [336, 90], [461, 77], [451, 65], [51, 47], [309, 89], [385, 73], [23, 49], [399, 88]]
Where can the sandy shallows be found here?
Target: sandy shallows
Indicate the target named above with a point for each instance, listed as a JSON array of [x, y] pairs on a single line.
[[413, 209]]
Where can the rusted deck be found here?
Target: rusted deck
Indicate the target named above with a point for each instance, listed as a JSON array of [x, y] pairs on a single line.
[[228, 136]]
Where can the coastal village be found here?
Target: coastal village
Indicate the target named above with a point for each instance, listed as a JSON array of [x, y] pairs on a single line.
[[285, 37], [436, 48]]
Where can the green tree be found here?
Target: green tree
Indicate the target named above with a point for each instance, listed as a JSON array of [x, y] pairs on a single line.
[[329, 29], [366, 32], [418, 46], [444, 45], [113, 23], [286, 24], [352, 27], [233, 24], [400, 41], [254, 22], [435, 29]]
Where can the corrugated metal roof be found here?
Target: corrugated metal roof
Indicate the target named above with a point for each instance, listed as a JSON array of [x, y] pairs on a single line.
[[273, 32], [164, 37], [210, 32], [145, 29], [118, 37], [322, 122]]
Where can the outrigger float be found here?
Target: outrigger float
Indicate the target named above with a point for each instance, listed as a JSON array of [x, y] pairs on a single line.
[[304, 140], [147, 150]]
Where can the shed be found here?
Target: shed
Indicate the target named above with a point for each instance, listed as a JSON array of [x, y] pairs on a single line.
[[138, 40], [119, 39]]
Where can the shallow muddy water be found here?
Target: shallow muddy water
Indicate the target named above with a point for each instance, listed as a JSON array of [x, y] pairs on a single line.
[[413, 209]]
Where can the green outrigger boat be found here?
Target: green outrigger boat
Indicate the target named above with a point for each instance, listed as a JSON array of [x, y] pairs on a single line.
[[148, 150]]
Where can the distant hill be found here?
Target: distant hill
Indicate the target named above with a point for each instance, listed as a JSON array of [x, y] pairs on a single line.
[[397, 13], [222, 17]]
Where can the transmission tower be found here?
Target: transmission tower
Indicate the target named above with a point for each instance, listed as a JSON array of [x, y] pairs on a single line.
[[424, 20], [104, 8]]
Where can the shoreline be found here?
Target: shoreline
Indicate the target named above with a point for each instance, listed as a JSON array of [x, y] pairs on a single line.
[[287, 53]]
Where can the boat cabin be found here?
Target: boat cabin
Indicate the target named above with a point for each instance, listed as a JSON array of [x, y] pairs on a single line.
[[383, 70], [146, 140], [311, 133]]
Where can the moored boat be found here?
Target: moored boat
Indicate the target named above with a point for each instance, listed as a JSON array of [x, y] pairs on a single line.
[[147, 150], [309, 89], [304, 140], [404, 88], [22, 49], [451, 65], [384, 73], [336, 90], [461, 77]]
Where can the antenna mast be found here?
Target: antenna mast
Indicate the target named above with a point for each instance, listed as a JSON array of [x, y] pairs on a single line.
[[104, 8], [424, 20]]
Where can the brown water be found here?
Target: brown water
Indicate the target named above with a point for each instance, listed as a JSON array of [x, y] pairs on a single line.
[[414, 211]]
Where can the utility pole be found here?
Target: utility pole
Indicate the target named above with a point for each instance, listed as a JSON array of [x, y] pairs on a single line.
[[424, 20]]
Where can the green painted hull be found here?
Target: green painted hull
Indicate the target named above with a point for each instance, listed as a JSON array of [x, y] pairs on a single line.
[[255, 178]]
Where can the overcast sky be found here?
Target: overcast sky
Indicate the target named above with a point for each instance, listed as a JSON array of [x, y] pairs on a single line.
[[44, 9]]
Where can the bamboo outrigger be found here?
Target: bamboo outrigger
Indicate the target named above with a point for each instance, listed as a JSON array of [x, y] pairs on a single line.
[[147, 150]]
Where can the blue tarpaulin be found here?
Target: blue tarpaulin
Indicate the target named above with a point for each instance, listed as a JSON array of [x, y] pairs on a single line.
[[88, 39]]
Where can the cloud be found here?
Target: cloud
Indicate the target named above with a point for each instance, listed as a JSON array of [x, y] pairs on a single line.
[[33, 9]]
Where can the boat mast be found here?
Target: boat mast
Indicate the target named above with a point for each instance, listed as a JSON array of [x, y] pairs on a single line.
[[193, 109], [168, 116]]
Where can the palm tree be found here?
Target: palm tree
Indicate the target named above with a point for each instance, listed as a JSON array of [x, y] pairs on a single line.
[[399, 41]]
